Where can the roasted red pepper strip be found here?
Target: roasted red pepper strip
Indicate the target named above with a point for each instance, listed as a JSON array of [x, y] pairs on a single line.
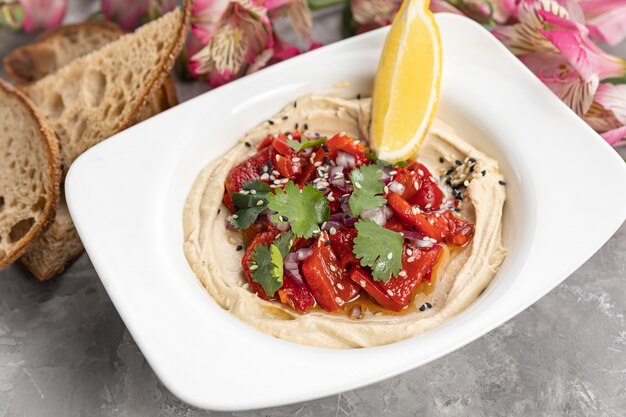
[[326, 278], [427, 195], [248, 170], [342, 244], [296, 295], [396, 293]]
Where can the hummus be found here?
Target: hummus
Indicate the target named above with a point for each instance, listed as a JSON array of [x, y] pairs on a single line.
[[212, 252]]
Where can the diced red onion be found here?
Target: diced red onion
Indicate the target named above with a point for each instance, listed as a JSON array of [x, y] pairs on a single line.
[[306, 152], [376, 214], [417, 239], [385, 177], [304, 253], [396, 187], [333, 223], [282, 226], [349, 221], [294, 274], [345, 159], [229, 224]]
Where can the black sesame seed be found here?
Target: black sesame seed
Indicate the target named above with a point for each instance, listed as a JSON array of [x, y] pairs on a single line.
[[423, 307], [448, 182], [414, 228], [327, 243], [325, 148], [317, 135], [429, 305], [219, 210], [287, 133], [456, 209], [323, 189], [346, 216], [239, 247], [285, 117], [483, 173], [270, 122], [295, 127], [459, 163], [325, 160], [358, 97], [441, 160], [501, 182], [472, 160], [472, 168], [450, 171], [306, 126], [295, 104], [248, 144]]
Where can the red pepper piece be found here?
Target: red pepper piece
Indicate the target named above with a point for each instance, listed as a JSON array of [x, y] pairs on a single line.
[[396, 293], [248, 170], [296, 295], [342, 243], [427, 195], [326, 278]]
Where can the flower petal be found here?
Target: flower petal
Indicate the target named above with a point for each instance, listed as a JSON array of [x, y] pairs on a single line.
[[205, 17], [42, 14], [606, 19], [615, 137]]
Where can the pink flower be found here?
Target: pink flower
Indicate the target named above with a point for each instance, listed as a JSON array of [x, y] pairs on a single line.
[[525, 37], [606, 19], [374, 13], [299, 15], [240, 43], [205, 17], [42, 14], [127, 14], [607, 114]]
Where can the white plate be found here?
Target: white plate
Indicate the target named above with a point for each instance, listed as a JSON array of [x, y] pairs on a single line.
[[126, 195]]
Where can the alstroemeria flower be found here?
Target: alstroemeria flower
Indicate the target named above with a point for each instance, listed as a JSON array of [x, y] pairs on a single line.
[[299, 15], [40, 15], [239, 42], [562, 78], [127, 14], [205, 17], [607, 114], [572, 40], [606, 19], [374, 13], [525, 37]]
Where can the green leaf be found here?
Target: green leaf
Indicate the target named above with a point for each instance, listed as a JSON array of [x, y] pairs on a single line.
[[367, 187], [378, 248], [303, 209], [297, 146], [386, 164], [268, 261], [250, 204]]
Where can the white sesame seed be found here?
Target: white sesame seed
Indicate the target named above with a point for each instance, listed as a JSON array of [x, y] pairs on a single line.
[[253, 192], [318, 163], [265, 168], [389, 255], [411, 259], [338, 300], [265, 176], [339, 286], [402, 273], [332, 230], [295, 159], [330, 198], [275, 172], [427, 206], [235, 216], [254, 267], [409, 251], [394, 172], [333, 268], [362, 283], [420, 172], [466, 183], [357, 185], [278, 157], [259, 203], [386, 189], [415, 209], [342, 134], [390, 293], [416, 185]]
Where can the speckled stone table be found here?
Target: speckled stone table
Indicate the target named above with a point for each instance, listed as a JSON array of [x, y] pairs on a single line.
[[65, 352]]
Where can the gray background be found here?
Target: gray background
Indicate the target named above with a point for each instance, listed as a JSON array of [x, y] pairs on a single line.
[[65, 352]]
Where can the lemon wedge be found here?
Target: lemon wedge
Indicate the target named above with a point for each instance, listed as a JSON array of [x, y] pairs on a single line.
[[406, 88]]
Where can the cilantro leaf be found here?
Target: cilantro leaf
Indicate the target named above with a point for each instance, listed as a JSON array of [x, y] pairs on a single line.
[[385, 164], [367, 187], [268, 261], [297, 146], [378, 248], [304, 209], [249, 205]]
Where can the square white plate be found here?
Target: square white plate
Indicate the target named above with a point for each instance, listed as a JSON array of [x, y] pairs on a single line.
[[565, 199]]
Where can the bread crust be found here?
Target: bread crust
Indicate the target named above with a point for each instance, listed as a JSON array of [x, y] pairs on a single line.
[[51, 144]]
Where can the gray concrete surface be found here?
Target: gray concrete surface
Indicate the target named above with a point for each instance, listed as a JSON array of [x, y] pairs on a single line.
[[65, 352]]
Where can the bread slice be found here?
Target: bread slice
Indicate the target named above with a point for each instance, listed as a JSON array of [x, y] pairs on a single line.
[[29, 173], [56, 48], [91, 99]]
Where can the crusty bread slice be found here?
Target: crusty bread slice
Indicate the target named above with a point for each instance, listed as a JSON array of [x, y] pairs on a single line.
[[56, 48], [29, 173], [92, 98], [101, 93]]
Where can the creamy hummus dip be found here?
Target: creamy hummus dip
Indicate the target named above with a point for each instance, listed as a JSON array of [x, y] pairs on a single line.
[[212, 252]]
